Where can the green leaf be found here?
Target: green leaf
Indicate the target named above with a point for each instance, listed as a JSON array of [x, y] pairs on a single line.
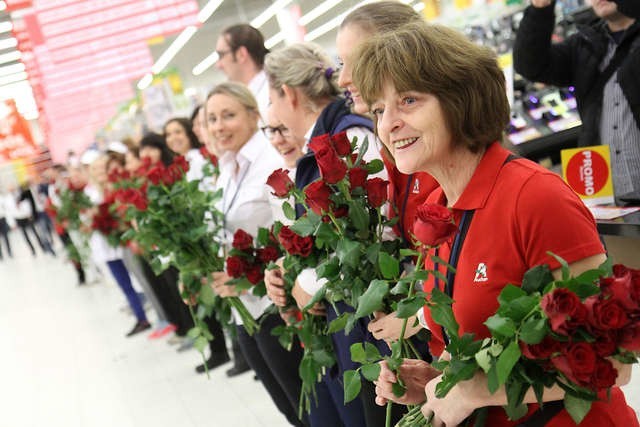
[[358, 215], [409, 307], [194, 332], [304, 226], [307, 370], [457, 371], [583, 290], [408, 253], [483, 358], [371, 371], [519, 308], [507, 361], [515, 409], [442, 313], [510, 293], [207, 296], [319, 296], [576, 407], [501, 325], [536, 278], [401, 288], [289, 211], [338, 323], [566, 273], [389, 266], [372, 353], [374, 166], [325, 235], [352, 385], [348, 252], [533, 330], [492, 379], [361, 150], [329, 269], [200, 343], [398, 389], [323, 357], [372, 252], [607, 267], [372, 299], [358, 353]]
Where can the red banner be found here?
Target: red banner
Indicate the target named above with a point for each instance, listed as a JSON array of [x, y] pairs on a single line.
[[15, 135]]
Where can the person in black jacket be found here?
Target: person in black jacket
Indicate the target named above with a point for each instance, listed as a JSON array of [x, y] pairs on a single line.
[[601, 61]]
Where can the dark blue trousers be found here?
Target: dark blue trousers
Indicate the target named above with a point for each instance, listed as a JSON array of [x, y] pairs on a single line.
[[121, 275]]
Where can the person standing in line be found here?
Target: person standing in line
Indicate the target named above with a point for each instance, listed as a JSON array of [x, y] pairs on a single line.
[[4, 223], [241, 53], [601, 61]]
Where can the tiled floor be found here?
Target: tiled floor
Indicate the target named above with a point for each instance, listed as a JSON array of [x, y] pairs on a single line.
[[64, 362]]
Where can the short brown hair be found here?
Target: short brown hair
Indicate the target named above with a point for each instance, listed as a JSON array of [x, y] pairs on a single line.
[[251, 38], [434, 59]]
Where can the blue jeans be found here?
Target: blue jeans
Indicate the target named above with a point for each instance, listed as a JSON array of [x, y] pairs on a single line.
[[121, 275]]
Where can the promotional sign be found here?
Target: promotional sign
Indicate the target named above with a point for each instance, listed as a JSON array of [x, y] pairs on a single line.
[[588, 171], [16, 141]]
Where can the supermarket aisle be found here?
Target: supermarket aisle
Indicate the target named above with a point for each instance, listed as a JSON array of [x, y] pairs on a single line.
[[64, 361]]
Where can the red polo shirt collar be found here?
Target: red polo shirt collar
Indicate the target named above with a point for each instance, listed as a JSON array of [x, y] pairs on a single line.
[[481, 185]]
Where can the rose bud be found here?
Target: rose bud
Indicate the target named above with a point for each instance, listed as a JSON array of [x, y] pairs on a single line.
[[376, 191], [317, 197], [434, 225], [281, 183], [341, 144]]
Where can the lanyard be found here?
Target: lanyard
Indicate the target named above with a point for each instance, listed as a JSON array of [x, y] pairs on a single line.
[[465, 222], [403, 208], [226, 208]]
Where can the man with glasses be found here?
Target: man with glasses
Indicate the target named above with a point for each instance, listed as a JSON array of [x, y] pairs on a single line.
[[241, 54]]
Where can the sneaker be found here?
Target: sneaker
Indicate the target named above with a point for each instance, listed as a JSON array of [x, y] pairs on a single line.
[[139, 327], [175, 340], [161, 332], [213, 362]]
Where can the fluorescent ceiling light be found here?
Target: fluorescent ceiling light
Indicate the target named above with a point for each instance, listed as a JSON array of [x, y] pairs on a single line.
[[3, 6], [268, 13], [11, 69], [271, 42], [8, 43], [318, 11], [12, 78], [10, 57], [6, 26], [145, 81], [205, 63], [172, 50], [206, 12]]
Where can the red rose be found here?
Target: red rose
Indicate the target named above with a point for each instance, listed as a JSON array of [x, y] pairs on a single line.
[[268, 254], [606, 314], [303, 245], [605, 345], [255, 274], [561, 306], [242, 240], [332, 168], [341, 211], [140, 201], [281, 183], [543, 350], [634, 286], [236, 266], [181, 162], [172, 174], [357, 177], [577, 362], [341, 144], [320, 142], [620, 288], [434, 225], [286, 238], [317, 197], [376, 191], [156, 173], [209, 156], [630, 337], [604, 376]]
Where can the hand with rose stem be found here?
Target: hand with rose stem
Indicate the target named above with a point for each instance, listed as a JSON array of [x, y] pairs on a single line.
[[302, 299], [220, 287], [274, 283], [387, 327]]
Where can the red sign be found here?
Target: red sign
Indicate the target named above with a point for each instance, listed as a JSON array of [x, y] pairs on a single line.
[[15, 135], [17, 4], [587, 173]]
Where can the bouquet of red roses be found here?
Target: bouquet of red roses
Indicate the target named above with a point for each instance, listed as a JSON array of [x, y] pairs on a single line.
[[246, 262], [344, 216]]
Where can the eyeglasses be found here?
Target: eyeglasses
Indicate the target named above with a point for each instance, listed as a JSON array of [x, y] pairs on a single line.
[[270, 132]]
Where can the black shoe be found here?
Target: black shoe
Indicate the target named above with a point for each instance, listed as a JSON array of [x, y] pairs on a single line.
[[139, 327], [213, 362], [237, 370]]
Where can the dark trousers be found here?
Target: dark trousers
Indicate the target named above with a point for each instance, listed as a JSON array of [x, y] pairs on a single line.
[[276, 367], [26, 224], [4, 233], [329, 409], [121, 275], [218, 344], [374, 415]]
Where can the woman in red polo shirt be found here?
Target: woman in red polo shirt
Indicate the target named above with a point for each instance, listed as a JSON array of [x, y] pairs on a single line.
[[440, 106]]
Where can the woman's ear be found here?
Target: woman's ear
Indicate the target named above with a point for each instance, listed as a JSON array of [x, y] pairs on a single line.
[[290, 96]]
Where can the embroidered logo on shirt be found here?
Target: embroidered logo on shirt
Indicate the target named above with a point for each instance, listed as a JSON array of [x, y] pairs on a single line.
[[481, 273], [416, 187]]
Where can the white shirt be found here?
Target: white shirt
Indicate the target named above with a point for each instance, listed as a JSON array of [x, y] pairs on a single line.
[[101, 250], [246, 203], [196, 162], [259, 87]]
